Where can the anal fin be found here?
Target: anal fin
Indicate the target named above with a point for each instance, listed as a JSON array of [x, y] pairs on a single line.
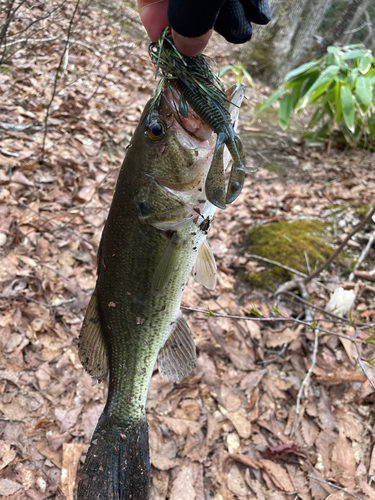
[[178, 357], [205, 270], [92, 348]]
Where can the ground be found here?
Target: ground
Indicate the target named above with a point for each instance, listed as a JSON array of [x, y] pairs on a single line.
[[226, 431]]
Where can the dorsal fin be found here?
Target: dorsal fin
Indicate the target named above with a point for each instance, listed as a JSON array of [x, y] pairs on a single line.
[[178, 357], [92, 348], [205, 270], [167, 264]]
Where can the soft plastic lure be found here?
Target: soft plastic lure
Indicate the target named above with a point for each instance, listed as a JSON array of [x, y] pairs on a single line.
[[203, 90]]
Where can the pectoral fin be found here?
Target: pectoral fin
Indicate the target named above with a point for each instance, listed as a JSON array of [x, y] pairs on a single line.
[[92, 348], [178, 357], [205, 270], [167, 264]]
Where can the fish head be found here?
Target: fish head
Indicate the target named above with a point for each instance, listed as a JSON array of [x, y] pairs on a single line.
[[173, 154]]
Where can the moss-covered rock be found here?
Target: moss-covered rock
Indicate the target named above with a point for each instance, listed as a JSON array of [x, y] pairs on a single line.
[[287, 242]]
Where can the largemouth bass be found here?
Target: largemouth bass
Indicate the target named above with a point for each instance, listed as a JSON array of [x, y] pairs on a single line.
[[154, 235]]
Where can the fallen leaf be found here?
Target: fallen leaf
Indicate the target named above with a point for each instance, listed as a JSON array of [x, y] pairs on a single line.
[[343, 461], [240, 422], [236, 483], [278, 475], [8, 487], [71, 455], [182, 487]]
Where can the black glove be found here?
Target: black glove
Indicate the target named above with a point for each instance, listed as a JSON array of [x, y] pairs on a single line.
[[231, 18]]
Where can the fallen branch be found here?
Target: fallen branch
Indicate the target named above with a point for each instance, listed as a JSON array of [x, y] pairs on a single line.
[[330, 259], [71, 42], [310, 325], [305, 381], [360, 360], [363, 256], [287, 268], [334, 486]]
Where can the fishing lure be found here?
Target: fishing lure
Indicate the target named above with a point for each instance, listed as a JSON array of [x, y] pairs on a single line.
[[203, 90]]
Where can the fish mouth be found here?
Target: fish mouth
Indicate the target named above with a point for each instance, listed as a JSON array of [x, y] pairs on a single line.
[[193, 124]]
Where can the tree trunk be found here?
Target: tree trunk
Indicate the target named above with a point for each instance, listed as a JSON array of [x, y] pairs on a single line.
[[342, 25], [354, 24], [281, 45]]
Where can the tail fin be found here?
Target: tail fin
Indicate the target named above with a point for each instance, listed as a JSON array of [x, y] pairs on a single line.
[[117, 465]]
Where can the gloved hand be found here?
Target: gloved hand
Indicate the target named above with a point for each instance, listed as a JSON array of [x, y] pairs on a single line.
[[231, 18]]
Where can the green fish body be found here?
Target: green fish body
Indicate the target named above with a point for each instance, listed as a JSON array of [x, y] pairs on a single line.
[[154, 235]]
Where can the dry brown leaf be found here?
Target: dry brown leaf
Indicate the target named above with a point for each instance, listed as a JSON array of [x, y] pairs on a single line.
[[299, 481], [181, 426], [340, 376], [343, 461], [162, 462], [255, 486], [309, 431], [363, 483], [251, 381], [236, 483], [71, 455], [326, 417], [278, 339], [278, 474], [183, 485], [8, 487], [231, 401], [240, 422], [159, 485], [7, 454], [245, 460], [53, 455], [240, 357], [213, 429]]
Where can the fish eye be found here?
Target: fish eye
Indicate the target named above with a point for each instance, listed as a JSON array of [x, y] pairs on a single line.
[[155, 130]]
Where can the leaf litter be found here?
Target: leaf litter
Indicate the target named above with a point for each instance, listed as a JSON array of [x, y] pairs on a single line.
[[225, 431]]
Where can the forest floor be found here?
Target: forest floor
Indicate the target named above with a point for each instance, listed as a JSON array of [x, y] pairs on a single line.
[[226, 431]]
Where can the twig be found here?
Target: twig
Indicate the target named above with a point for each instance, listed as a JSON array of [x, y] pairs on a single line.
[[5, 419], [363, 256], [57, 74], [360, 360], [52, 39], [32, 41], [334, 486], [342, 246], [300, 299], [305, 381], [20, 127], [275, 263], [287, 268], [58, 226]]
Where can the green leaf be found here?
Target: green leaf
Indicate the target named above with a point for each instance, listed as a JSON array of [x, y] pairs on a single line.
[[347, 102], [353, 54], [353, 77], [363, 92], [246, 74], [285, 109], [365, 62], [321, 83], [272, 99], [300, 70]]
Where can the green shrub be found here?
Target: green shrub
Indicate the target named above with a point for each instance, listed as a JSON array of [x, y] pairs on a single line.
[[341, 87]]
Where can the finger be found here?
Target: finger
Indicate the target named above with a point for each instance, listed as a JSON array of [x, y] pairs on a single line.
[[154, 16], [191, 46]]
